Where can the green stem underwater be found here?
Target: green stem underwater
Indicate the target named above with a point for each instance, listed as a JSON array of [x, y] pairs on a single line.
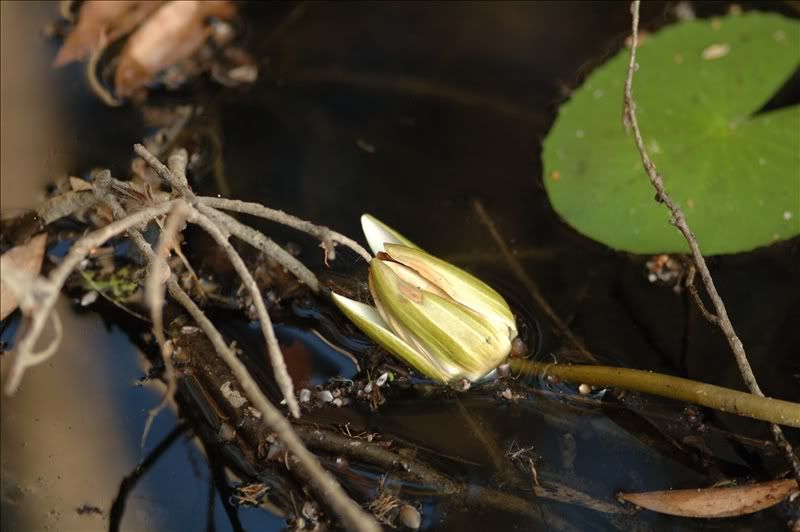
[[723, 399]]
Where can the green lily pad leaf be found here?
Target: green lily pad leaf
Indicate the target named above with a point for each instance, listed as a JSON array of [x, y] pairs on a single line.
[[735, 173]]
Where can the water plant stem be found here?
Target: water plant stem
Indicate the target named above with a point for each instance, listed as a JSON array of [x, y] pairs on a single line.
[[709, 395]]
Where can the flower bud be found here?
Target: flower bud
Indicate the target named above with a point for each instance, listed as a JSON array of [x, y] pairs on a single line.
[[441, 320]]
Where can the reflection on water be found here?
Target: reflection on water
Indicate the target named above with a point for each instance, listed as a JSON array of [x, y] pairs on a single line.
[[407, 111]]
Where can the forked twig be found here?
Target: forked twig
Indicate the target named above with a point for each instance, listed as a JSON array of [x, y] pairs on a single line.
[[276, 358], [327, 237], [46, 291]]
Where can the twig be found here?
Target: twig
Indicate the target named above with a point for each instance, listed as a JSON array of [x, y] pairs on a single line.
[[678, 219], [91, 75], [352, 516], [696, 296], [65, 204], [722, 399], [517, 269], [328, 489], [421, 473], [45, 292], [327, 236], [175, 175], [263, 243], [154, 296], [282, 377]]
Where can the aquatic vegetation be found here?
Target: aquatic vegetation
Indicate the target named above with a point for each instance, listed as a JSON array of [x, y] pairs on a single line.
[[441, 320]]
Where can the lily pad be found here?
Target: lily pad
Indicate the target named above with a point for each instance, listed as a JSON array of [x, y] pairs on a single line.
[[734, 172]]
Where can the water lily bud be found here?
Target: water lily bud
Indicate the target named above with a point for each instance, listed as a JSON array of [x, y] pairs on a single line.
[[444, 322]]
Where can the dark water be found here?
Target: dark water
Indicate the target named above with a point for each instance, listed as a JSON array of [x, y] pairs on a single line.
[[412, 111]]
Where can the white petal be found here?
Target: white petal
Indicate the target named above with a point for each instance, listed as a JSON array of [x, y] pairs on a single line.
[[378, 234]]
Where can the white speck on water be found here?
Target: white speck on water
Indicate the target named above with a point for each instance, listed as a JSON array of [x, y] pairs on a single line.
[[598, 93], [580, 134], [779, 35], [762, 161], [787, 215]]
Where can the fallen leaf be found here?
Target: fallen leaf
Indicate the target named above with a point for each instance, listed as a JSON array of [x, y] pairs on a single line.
[[77, 184], [26, 258], [714, 502], [98, 18], [174, 33]]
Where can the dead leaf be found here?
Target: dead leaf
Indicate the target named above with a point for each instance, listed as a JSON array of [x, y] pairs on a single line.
[[714, 502], [174, 33], [26, 258], [77, 184], [98, 18]]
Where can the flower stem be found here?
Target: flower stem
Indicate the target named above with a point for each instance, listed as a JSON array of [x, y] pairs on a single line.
[[722, 399]]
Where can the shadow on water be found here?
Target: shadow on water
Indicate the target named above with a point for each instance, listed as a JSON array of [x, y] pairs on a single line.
[[412, 111]]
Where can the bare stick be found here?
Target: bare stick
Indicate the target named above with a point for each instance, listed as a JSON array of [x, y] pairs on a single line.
[[154, 296], [530, 285], [175, 175], [282, 377], [179, 183], [352, 516], [329, 490], [327, 236], [679, 220], [696, 296], [46, 291], [65, 204]]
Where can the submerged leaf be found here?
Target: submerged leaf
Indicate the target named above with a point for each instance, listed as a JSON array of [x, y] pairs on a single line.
[[714, 502], [700, 86]]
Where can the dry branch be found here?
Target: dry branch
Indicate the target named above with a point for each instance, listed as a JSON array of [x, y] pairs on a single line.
[[44, 292], [282, 377]]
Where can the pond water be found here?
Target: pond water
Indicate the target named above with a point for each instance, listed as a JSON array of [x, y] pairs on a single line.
[[412, 112]]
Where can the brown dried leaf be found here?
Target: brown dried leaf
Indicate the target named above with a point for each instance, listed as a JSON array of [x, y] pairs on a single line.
[[714, 502], [77, 184], [174, 33], [97, 18], [26, 258]]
